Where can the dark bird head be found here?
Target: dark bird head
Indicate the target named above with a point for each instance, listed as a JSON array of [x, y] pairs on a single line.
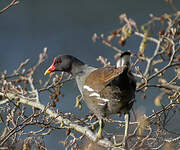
[[66, 63]]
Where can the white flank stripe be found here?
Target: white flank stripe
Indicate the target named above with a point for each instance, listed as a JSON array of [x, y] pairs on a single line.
[[94, 94], [88, 88], [104, 99], [101, 104]]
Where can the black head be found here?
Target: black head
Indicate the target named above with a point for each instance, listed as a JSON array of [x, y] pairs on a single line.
[[66, 63]]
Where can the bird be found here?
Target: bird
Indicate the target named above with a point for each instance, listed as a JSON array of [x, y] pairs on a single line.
[[106, 90]]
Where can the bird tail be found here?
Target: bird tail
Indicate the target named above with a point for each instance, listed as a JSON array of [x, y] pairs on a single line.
[[123, 59]]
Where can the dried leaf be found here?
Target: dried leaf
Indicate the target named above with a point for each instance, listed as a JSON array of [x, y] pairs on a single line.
[[77, 101], [158, 99], [62, 124], [53, 104], [168, 146], [1, 119], [162, 81], [68, 131], [110, 38], [178, 72], [143, 44], [142, 119], [94, 37]]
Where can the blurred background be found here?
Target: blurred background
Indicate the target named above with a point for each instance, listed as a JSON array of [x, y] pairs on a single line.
[[65, 26]]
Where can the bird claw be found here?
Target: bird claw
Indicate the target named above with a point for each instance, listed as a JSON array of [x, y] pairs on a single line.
[[123, 143], [99, 133]]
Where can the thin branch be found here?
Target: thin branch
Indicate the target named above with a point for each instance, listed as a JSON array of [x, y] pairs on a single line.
[[13, 3], [148, 38], [54, 84], [143, 85], [16, 129], [76, 127]]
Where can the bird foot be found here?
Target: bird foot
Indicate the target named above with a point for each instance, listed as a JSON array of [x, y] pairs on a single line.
[[121, 144], [99, 134], [98, 137]]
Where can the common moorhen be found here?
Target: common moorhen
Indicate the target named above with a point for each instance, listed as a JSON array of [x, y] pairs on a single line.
[[106, 91]]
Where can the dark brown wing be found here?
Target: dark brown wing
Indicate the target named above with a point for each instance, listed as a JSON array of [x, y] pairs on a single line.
[[102, 77]]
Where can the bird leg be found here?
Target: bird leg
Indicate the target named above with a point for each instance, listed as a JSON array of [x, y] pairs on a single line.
[[99, 133], [126, 118]]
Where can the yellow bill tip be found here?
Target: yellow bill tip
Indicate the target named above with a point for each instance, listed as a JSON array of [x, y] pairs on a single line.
[[47, 72]]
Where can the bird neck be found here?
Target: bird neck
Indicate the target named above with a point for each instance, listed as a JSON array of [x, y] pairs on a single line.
[[76, 66]]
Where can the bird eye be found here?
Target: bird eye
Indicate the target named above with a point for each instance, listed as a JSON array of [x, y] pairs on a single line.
[[58, 61]]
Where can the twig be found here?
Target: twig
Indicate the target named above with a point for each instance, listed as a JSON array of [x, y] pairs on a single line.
[[143, 85], [16, 129], [14, 2], [54, 85], [167, 107], [76, 127], [111, 46]]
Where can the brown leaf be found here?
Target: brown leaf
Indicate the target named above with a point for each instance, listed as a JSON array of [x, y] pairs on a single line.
[[168, 146], [158, 99], [110, 38], [68, 131], [162, 81], [53, 104]]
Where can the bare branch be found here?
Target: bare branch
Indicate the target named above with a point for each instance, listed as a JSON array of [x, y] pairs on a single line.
[[13, 3]]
